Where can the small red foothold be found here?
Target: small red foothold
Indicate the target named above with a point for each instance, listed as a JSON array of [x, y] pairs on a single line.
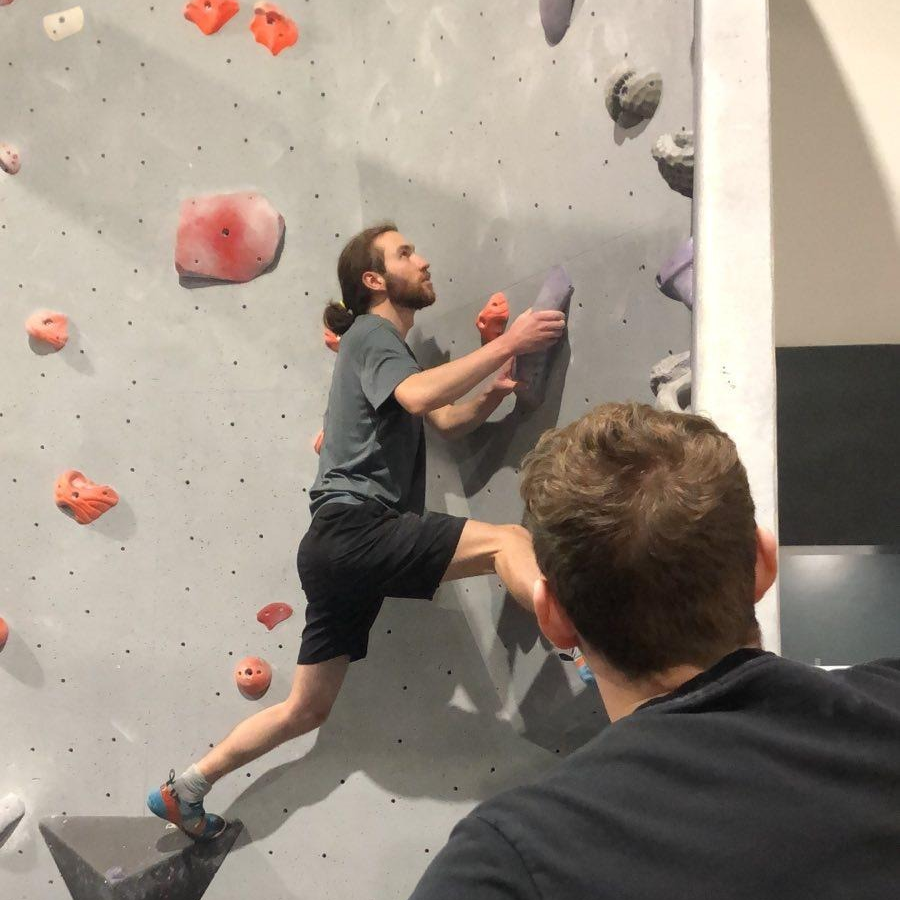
[[210, 15], [81, 498], [491, 321], [48, 326], [272, 28], [319, 439], [332, 340], [253, 676], [4, 633], [274, 614]]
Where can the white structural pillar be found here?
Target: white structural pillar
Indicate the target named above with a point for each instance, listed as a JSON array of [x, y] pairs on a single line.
[[734, 356]]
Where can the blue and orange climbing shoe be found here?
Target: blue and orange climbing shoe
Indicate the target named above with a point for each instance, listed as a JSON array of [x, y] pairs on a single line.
[[581, 664], [191, 818]]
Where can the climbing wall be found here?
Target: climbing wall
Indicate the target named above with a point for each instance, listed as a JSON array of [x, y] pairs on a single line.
[[157, 456]]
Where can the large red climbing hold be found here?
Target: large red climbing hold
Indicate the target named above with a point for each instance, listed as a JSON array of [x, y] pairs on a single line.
[[227, 237], [210, 15], [4, 633], [48, 326], [274, 614], [272, 28], [491, 321], [253, 676], [80, 498]]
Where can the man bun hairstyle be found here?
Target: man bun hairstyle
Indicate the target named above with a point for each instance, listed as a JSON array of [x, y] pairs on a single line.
[[359, 256], [644, 527]]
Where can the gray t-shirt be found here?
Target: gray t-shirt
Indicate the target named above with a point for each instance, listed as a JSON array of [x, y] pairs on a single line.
[[373, 448]]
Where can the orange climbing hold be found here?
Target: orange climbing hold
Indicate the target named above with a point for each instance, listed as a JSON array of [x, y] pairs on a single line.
[[48, 326], [332, 340], [319, 439], [491, 321], [4, 633], [274, 614], [272, 28], [210, 15], [80, 498], [253, 676]]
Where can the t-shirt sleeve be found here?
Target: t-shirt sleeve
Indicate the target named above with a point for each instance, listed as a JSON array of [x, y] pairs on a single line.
[[386, 361], [478, 863]]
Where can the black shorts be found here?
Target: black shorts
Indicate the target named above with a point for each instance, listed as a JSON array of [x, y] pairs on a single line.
[[355, 555]]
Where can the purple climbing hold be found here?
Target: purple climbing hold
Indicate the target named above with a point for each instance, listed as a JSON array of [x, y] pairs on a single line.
[[555, 17], [676, 276]]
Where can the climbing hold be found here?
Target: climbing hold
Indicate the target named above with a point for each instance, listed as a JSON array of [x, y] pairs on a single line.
[[11, 811], [532, 369], [272, 28], [5, 2], [632, 98], [227, 237], [274, 614], [253, 677], [48, 326], [80, 498], [332, 340], [210, 15], [491, 321], [674, 154], [555, 17], [64, 24], [9, 159], [670, 381], [4, 633], [676, 277], [318, 440]]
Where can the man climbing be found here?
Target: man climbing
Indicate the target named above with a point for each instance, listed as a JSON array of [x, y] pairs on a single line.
[[370, 535]]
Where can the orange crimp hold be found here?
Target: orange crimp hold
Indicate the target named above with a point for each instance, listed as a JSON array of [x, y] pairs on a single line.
[[4, 634], [210, 15], [332, 340], [491, 321], [48, 326], [81, 498], [253, 676], [272, 28], [274, 614]]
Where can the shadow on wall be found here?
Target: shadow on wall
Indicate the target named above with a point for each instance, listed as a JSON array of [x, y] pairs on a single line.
[[825, 180]]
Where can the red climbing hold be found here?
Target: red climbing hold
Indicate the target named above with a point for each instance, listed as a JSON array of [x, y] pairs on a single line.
[[80, 498], [4, 633], [272, 28], [332, 340], [491, 321], [253, 676], [48, 326], [210, 15], [274, 614], [227, 237], [318, 441]]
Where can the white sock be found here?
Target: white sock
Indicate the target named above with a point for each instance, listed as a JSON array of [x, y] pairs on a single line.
[[192, 785]]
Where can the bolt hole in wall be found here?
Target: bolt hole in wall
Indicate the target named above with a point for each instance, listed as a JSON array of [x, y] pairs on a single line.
[[837, 358]]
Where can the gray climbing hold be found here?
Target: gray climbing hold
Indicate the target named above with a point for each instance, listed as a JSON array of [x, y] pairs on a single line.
[[670, 381], [674, 154], [676, 276], [11, 811], [555, 17], [532, 369], [632, 97], [122, 858]]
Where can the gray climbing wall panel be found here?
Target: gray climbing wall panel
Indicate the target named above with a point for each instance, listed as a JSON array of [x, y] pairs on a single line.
[[495, 153]]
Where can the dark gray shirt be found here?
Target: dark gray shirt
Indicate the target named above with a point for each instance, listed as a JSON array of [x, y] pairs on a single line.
[[373, 448], [760, 778]]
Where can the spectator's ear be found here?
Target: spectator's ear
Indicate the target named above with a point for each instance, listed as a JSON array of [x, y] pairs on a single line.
[[552, 619], [766, 562]]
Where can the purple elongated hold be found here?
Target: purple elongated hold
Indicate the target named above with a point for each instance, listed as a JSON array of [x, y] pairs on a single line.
[[532, 369], [676, 276], [555, 17]]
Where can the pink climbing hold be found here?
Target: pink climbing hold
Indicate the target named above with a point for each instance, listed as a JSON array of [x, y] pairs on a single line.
[[9, 156], [318, 441], [4, 633], [274, 614], [253, 676], [5, 2], [80, 498], [227, 237], [48, 326]]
